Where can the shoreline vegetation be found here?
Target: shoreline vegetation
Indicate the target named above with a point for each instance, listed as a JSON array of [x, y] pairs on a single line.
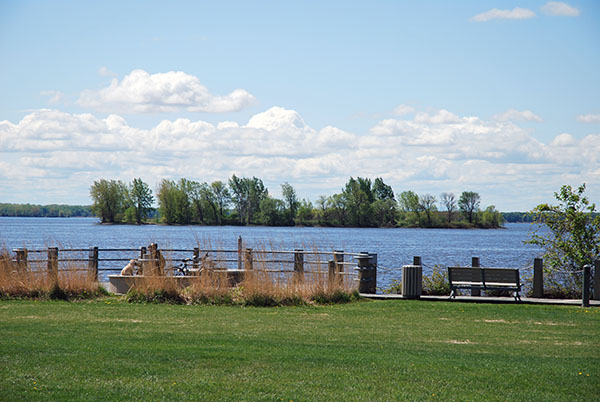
[[247, 202]]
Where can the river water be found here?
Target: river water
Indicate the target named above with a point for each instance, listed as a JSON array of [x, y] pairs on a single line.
[[394, 247]]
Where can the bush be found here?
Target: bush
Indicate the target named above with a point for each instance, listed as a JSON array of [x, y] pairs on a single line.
[[436, 284]]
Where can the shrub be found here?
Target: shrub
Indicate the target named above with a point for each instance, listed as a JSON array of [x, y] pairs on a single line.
[[437, 283]]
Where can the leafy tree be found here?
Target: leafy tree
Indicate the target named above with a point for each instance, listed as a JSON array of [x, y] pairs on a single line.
[[141, 199], [338, 205], [359, 195], [427, 204], [305, 212], [272, 212], [174, 201], [573, 236], [109, 198], [291, 201], [448, 200], [247, 195], [409, 202], [468, 203], [382, 191], [323, 210], [491, 218], [222, 198], [385, 212]]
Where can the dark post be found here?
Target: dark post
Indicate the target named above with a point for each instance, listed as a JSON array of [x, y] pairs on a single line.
[[332, 274], [538, 277], [417, 260], [248, 260], [366, 274], [21, 259], [585, 299], [53, 262], [142, 252], [93, 262], [196, 257], [299, 263], [596, 295], [338, 258], [476, 276], [240, 252]]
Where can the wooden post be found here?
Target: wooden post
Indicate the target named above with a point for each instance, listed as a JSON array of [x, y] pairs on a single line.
[[21, 259], [417, 260], [53, 262], [585, 293], [476, 276], [143, 252], [596, 295], [338, 258], [366, 274], [332, 274], [248, 260], [239, 252], [299, 264], [538, 277], [196, 257], [93, 262]]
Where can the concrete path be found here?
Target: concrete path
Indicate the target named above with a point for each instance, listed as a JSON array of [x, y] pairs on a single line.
[[487, 299]]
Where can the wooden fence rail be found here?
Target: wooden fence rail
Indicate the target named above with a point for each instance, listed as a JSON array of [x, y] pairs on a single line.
[[301, 261]]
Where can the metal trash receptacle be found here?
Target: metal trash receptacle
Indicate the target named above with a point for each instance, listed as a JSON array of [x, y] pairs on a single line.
[[412, 281]]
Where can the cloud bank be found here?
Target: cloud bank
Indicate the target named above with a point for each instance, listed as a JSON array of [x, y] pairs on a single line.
[[60, 154], [142, 92], [559, 9]]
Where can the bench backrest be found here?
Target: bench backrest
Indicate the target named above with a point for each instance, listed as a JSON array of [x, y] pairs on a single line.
[[486, 275], [501, 275], [464, 274]]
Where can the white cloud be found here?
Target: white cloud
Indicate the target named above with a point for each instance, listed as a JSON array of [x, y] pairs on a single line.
[[516, 115], [105, 72], [141, 92], [558, 8], [402, 110], [55, 96], [61, 154], [516, 13], [589, 118]]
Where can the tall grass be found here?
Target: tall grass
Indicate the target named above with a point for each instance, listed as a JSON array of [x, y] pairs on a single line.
[[22, 282]]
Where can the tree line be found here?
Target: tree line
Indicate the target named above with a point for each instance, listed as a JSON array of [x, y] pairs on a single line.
[[362, 202], [45, 211]]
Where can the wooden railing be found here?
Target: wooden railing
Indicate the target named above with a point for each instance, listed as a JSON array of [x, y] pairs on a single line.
[[94, 260]]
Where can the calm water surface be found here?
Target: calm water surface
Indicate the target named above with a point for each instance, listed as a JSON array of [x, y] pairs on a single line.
[[395, 247]]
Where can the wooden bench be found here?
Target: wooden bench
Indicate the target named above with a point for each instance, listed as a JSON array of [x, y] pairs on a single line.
[[485, 279]]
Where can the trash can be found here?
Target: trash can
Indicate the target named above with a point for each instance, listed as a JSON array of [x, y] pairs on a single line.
[[412, 281]]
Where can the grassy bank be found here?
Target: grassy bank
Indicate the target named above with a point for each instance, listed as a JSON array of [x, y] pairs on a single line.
[[108, 349]]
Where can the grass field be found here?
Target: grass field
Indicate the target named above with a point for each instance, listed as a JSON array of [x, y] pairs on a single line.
[[370, 350]]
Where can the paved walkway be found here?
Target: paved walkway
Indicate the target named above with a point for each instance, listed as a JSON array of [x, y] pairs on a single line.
[[487, 299]]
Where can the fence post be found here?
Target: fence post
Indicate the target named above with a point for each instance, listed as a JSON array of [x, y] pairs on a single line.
[[21, 259], [196, 257], [585, 294], [367, 274], [338, 258], [248, 260], [239, 252], [53, 262], [299, 264], [538, 277], [476, 276], [596, 295], [332, 274], [417, 260], [93, 262]]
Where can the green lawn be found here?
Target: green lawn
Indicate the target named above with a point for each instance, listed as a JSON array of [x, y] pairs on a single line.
[[369, 350]]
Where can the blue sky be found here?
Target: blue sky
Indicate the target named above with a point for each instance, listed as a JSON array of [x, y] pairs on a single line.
[[499, 97]]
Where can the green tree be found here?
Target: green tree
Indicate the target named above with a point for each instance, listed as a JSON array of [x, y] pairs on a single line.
[[427, 205], [409, 203], [272, 212], [468, 203], [291, 202], [110, 197], [572, 238], [491, 218], [359, 195], [382, 191], [448, 200], [141, 199], [305, 213], [222, 198], [247, 195]]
